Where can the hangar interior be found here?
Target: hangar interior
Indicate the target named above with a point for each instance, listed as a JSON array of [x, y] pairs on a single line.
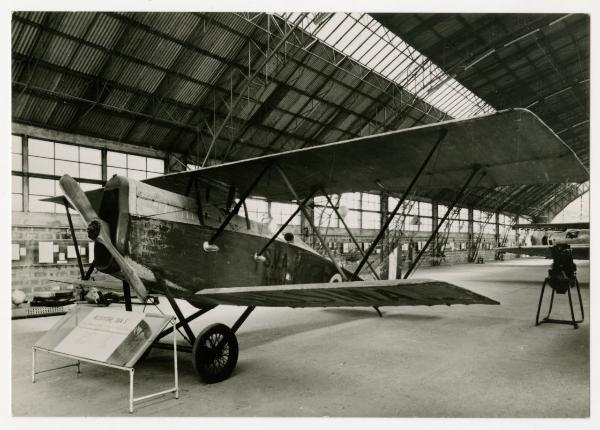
[[143, 94]]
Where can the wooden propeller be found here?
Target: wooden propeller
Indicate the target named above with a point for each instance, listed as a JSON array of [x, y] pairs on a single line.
[[99, 231]]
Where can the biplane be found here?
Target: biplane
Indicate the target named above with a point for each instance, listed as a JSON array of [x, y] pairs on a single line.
[[546, 235], [181, 235]]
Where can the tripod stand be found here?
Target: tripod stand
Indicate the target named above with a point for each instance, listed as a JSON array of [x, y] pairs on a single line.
[[561, 278]]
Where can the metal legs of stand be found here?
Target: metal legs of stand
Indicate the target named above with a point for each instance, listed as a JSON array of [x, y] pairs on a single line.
[[547, 319], [37, 372], [174, 390], [130, 370]]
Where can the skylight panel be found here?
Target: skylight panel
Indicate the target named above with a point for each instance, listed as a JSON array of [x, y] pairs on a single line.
[[352, 33], [341, 30], [369, 43], [391, 65], [356, 43]]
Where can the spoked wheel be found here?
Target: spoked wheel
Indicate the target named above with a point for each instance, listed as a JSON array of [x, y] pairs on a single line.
[[215, 353]]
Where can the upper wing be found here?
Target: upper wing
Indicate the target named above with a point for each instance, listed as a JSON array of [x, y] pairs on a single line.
[[401, 292], [514, 146], [554, 226]]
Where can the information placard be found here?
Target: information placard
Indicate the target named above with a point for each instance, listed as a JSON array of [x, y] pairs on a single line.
[[99, 334], [107, 335]]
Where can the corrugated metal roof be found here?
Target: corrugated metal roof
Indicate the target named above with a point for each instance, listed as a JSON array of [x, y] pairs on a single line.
[[152, 79]]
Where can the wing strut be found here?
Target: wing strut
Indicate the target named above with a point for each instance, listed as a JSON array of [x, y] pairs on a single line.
[[210, 245], [391, 216], [439, 225], [258, 255], [312, 224], [335, 209]]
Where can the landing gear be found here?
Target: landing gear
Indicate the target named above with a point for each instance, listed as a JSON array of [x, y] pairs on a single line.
[[215, 350], [215, 353]]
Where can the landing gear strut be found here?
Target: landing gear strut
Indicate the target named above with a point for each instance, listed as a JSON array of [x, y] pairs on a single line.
[[215, 350]]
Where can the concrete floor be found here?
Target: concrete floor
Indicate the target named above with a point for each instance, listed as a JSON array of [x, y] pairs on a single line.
[[459, 361]]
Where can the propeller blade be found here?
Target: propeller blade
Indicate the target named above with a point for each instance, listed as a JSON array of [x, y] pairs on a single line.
[[77, 197], [99, 231], [132, 278]]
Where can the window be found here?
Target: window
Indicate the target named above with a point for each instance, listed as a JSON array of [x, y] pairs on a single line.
[[258, 209], [40, 189], [48, 158], [350, 200], [282, 211], [52, 158], [17, 193], [426, 224], [371, 220], [41, 156], [370, 202], [425, 209], [353, 219], [133, 166], [325, 217], [458, 219], [17, 153]]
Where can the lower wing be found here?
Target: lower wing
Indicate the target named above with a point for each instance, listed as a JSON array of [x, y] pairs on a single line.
[[579, 251], [401, 292], [539, 250]]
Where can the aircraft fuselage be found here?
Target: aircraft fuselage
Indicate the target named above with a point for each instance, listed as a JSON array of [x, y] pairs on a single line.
[[570, 237], [161, 235]]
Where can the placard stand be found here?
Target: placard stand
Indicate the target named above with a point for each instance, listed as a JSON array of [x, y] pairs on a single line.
[[61, 331]]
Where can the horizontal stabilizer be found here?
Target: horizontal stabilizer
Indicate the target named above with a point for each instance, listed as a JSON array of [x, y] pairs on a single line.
[[400, 292]]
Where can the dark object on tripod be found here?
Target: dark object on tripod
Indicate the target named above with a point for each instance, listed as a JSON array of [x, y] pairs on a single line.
[[562, 276]]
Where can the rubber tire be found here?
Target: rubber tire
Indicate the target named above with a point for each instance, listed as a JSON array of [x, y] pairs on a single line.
[[203, 355]]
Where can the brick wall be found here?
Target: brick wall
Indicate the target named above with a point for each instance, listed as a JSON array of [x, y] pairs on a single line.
[[28, 229]]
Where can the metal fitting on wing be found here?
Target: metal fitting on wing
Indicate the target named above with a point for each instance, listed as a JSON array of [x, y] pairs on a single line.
[[210, 247]]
